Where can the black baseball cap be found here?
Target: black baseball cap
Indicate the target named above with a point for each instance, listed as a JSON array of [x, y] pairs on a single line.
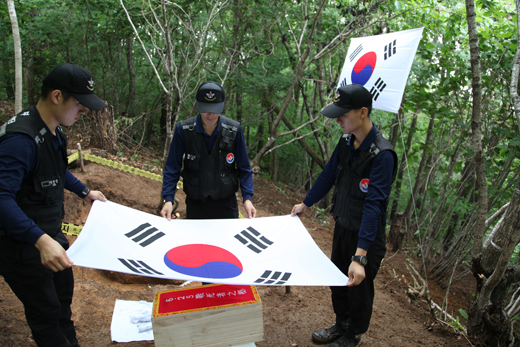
[[77, 82], [210, 98], [347, 98]]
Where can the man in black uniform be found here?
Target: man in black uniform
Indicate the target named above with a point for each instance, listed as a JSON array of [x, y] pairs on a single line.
[[215, 162], [362, 167], [33, 174]]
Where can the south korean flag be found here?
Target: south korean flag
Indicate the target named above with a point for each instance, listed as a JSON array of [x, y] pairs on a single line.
[[260, 251], [382, 64]]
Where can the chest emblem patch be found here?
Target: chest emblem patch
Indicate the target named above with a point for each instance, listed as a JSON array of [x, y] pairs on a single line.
[[363, 185], [230, 158]]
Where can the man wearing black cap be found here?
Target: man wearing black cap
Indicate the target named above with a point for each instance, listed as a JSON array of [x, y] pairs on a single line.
[[362, 167], [215, 162], [33, 174]]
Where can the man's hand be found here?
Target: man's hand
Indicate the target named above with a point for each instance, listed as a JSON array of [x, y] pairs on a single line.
[[94, 195], [250, 209], [356, 271], [167, 210], [356, 274], [299, 209], [52, 254]]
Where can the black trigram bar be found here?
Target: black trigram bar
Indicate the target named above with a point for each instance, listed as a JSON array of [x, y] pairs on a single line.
[[141, 233], [270, 277], [378, 88], [356, 52], [390, 49], [343, 82], [139, 266], [253, 240]]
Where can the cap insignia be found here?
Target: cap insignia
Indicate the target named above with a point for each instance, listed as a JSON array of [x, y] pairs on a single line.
[[336, 97], [210, 96], [90, 85]]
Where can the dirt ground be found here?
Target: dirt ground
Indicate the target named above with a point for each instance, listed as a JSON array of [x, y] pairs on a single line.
[[289, 318]]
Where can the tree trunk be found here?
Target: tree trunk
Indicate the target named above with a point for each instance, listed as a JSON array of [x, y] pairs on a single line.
[[260, 134], [8, 79], [394, 135], [17, 57], [419, 179], [103, 134], [131, 75], [397, 191], [274, 166], [397, 232], [466, 184], [238, 97], [310, 181], [476, 124], [29, 79], [488, 320]]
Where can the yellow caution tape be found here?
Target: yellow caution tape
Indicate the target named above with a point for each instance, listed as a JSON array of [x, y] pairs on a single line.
[[71, 229], [73, 157], [116, 165], [122, 167]]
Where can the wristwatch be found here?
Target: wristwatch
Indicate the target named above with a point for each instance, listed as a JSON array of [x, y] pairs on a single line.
[[360, 259], [85, 192]]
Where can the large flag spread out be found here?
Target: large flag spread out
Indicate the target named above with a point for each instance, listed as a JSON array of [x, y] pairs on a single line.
[[259, 251], [381, 64]]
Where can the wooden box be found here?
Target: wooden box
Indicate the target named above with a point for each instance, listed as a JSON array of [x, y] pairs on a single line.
[[207, 316]]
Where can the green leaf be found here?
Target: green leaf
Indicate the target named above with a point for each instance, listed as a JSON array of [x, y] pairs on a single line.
[[505, 35]]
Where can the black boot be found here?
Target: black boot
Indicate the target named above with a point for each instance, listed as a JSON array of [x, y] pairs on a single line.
[[331, 334], [347, 340]]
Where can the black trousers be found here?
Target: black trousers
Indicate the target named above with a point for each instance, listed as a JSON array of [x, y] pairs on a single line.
[[212, 209], [354, 304], [45, 295]]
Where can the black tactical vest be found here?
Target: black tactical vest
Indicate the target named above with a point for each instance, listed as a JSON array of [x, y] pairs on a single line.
[[211, 174], [352, 181], [41, 196]]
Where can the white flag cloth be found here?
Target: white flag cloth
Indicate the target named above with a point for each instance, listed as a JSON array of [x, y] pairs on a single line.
[[381, 64], [259, 251]]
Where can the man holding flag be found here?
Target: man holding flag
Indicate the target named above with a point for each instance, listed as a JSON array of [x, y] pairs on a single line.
[[363, 167], [33, 176]]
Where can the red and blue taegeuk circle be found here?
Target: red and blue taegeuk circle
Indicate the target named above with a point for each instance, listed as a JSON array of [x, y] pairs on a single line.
[[203, 260], [364, 68], [363, 185]]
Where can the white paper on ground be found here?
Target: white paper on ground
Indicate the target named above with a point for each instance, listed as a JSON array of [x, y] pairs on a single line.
[[122, 329]]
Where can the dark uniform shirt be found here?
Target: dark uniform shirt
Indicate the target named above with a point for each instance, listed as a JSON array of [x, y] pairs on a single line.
[[17, 163], [173, 166], [378, 190]]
